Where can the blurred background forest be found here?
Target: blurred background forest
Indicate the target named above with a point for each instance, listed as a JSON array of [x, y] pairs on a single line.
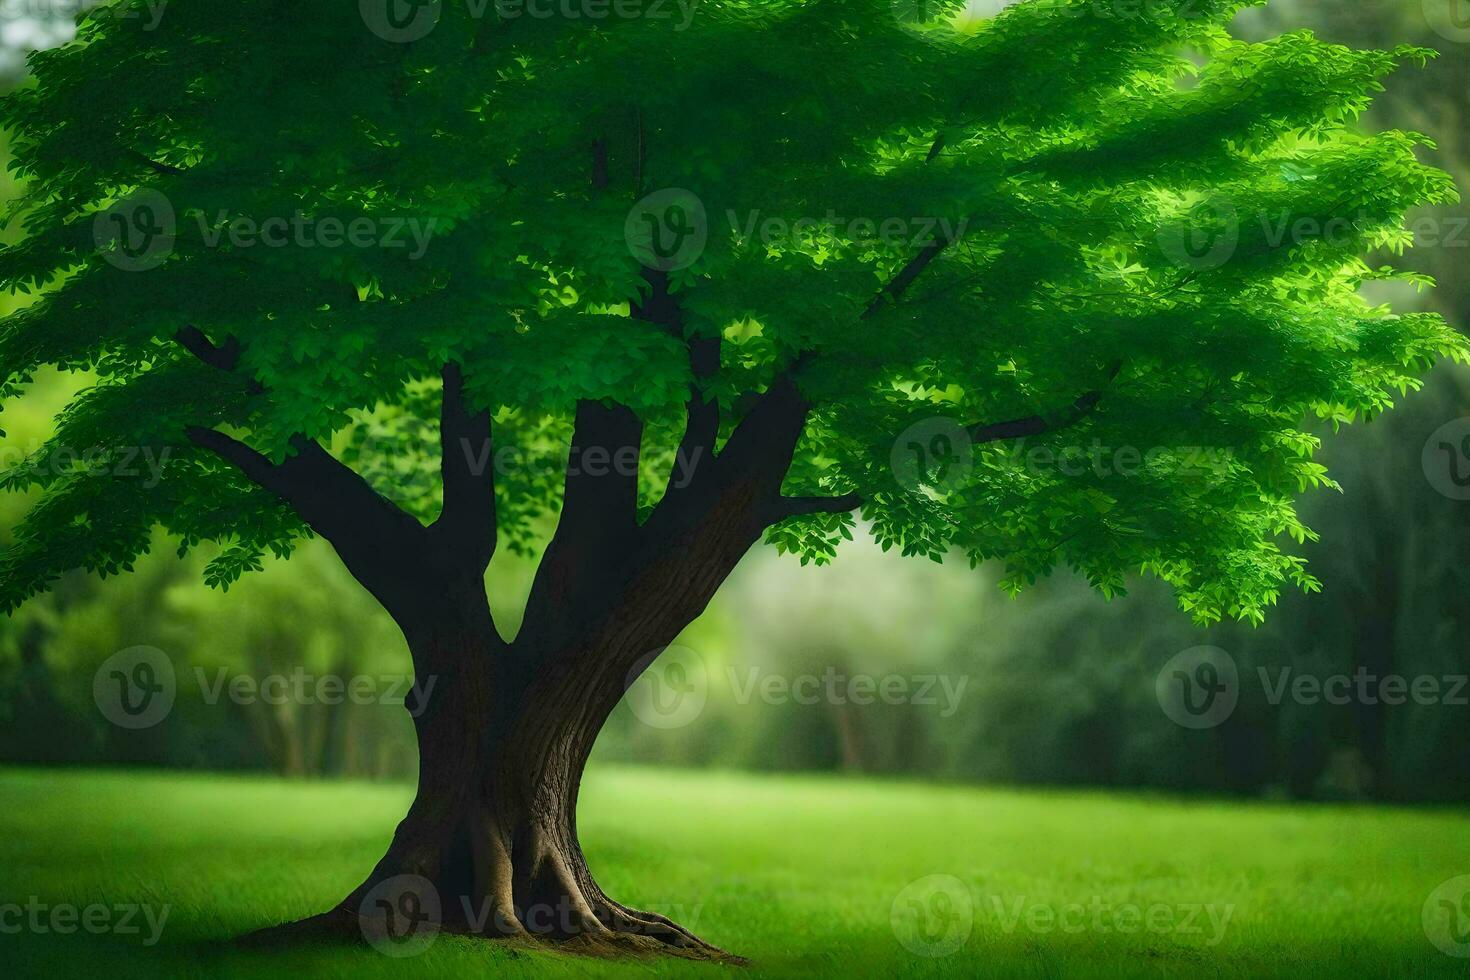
[[1053, 687]]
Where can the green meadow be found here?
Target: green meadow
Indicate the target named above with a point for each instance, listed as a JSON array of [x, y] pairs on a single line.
[[799, 874]]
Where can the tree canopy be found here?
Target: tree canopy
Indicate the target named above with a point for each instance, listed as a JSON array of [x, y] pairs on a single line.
[[1065, 287]]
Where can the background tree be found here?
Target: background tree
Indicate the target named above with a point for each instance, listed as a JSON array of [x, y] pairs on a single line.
[[1140, 249]]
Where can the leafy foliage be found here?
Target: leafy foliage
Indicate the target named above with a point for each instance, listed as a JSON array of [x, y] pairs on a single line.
[[1133, 214]]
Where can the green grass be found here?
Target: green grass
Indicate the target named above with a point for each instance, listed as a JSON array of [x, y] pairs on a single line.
[[799, 874]]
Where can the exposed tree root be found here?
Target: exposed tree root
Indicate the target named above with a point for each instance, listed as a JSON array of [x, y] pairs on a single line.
[[626, 933]]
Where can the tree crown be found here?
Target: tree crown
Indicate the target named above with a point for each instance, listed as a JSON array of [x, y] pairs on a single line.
[[1065, 286]]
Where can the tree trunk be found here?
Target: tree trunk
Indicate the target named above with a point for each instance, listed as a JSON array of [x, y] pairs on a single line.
[[489, 846]]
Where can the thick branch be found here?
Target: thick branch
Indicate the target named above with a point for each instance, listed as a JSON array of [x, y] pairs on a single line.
[[380, 544], [154, 165], [1034, 425], [467, 471], [702, 414], [900, 283], [222, 357], [599, 164], [761, 448], [800, 506]]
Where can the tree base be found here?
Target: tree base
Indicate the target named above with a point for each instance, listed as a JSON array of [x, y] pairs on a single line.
[[640, 935]]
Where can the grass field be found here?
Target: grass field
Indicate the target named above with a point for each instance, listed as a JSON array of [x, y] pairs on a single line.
[[803, 875]]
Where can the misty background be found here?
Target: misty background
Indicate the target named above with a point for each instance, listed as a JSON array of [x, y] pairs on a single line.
[[876, 664]]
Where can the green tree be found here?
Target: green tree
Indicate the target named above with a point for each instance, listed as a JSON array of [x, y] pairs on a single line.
[[1149, 239]]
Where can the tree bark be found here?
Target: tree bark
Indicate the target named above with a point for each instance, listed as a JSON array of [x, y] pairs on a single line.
[[504, 737]]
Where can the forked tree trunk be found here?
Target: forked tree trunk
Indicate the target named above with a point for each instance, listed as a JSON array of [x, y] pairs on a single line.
[[504, 736], [491, 838]]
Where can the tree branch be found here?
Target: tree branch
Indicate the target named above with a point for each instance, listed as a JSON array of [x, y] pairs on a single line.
[[1034, 425], [381, 545], [467, 471], [378, 542], [800, 506], [602, 469], [599, 164], [702, 414], [222, 357], [900, 283], [154, 165]]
